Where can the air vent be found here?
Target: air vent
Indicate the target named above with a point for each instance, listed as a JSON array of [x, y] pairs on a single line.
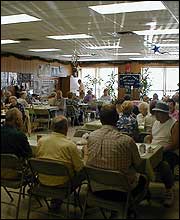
[[121, 33], [23, 39], [125, 33]]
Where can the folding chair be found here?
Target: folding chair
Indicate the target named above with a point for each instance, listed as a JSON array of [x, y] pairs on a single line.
[[42, 116], [112, 179], [62, 192], [12, 162]]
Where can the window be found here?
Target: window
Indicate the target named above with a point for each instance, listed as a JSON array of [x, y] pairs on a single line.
[[164, 80], [97, 79]]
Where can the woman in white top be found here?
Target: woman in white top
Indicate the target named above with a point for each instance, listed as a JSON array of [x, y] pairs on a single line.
[[150, 118], [143, 109]]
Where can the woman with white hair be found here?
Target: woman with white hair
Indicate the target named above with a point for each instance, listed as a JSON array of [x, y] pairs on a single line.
[[143, 109]]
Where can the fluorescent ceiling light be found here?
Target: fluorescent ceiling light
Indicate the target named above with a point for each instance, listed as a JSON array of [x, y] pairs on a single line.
[[9, 41], [68, 37], [153, 23], [80, 55], [97, 59], [126, 54], [154, 58], [157, 32], [168, 45], [128, 7], [174, 53], [43, 50], [103, 47], [12, 19]]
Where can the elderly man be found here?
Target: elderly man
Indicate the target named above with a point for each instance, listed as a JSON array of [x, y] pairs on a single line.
[[110, 149], [57, 146], [13, 140], [165, 132]]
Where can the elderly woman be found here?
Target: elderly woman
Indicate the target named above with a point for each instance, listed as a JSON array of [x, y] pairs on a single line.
[[14, 103], [127, 123], [143, 109]]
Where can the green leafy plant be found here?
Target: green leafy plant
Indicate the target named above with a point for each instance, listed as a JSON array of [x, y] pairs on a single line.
[[111, 85], [92, 83], [145, 83]]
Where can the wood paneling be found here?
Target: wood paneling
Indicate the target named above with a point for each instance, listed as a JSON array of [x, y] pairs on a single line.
[[14, 64]]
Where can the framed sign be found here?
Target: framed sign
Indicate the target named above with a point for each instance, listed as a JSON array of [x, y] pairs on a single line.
[[129, 80]]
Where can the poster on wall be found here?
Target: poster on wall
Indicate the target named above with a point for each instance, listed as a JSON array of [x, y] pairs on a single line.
[[44, 70], [59, 71]]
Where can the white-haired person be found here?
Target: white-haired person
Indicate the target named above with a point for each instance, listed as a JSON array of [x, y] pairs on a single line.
[[143, 108]]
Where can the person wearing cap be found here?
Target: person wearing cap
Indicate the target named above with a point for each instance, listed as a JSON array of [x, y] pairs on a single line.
[[165, 132]]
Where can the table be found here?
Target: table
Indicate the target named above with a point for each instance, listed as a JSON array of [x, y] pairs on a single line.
[[48, 107], [150, 160], [93, 125], [80, 142]]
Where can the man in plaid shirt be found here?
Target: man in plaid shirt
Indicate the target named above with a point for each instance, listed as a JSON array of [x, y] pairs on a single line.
[[112, 150]]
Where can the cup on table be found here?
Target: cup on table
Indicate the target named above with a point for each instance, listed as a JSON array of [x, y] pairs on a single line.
[[38, 137], [142, 148]]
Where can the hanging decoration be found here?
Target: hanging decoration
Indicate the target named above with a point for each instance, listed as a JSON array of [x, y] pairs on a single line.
[[157, 49], [74, 61]]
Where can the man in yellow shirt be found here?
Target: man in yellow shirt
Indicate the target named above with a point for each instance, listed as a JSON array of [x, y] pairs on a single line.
[[57, 146]]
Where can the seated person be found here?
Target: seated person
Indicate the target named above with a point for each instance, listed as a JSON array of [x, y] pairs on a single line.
[[61, 103], [165, 132], [52, 98], [78, 112], [172, 111], [145, 98], [118, 104], [106, 98], [22, 99], [127, 123], [57, 146], [151, 118], [88, 97], [7, 95], [110, 149], [14, 103], [13, 140], [143, 109]]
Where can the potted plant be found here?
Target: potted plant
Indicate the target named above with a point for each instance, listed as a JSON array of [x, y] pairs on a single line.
[[145, 83], [110, 84]]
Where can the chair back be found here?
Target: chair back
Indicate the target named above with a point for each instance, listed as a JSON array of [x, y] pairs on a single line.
[[70, 111], [11, 161], [41, 112], [49, 167], [108, 177]]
